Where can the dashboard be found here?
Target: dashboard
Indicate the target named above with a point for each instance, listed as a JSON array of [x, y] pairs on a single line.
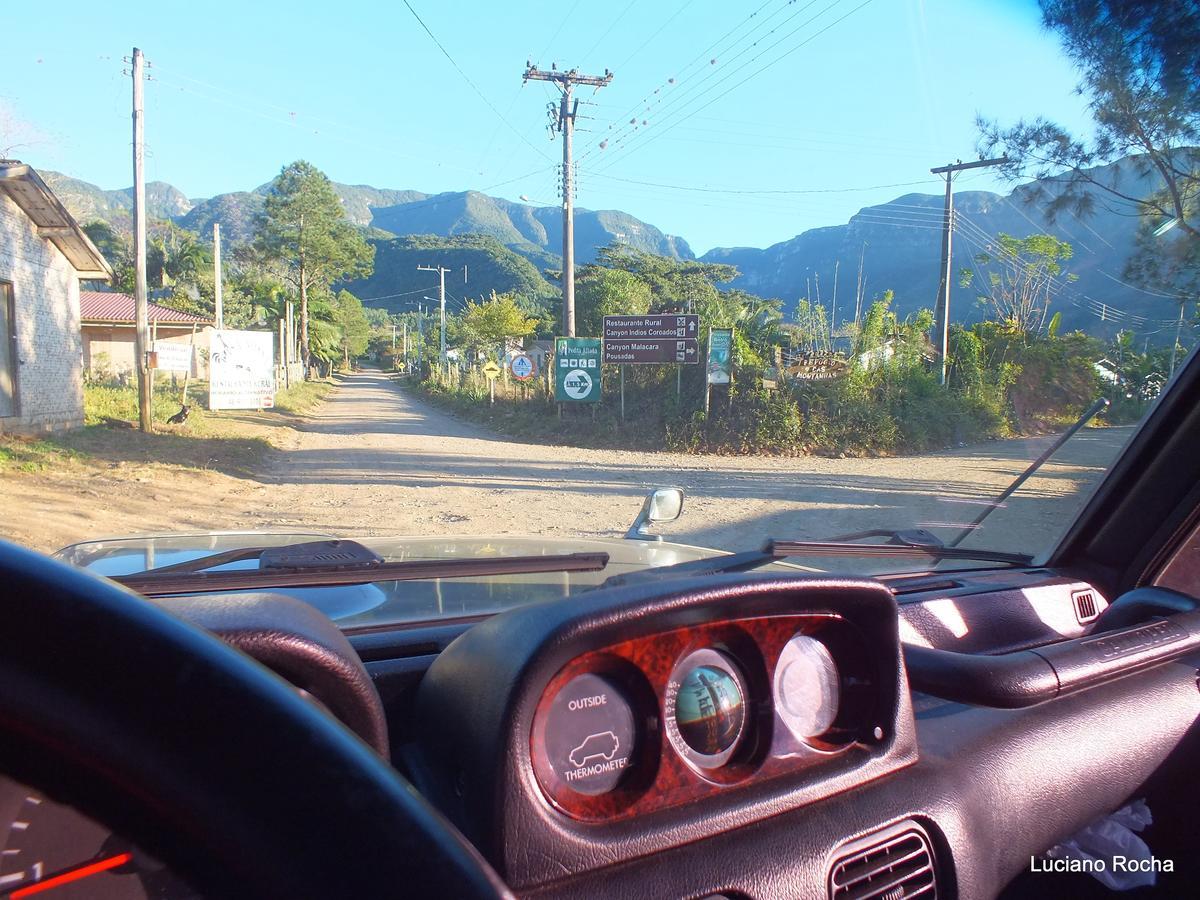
[[636, 741], [627, 723]]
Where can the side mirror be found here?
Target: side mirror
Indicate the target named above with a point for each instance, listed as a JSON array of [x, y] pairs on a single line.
[[663, 504]]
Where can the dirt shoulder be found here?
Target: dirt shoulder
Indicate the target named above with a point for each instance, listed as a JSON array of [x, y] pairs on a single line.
[[109, 478]]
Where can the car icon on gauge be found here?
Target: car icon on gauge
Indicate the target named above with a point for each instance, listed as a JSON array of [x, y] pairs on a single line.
[[594, 747]]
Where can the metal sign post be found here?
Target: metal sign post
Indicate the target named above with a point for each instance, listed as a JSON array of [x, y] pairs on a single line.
[[491, 371]]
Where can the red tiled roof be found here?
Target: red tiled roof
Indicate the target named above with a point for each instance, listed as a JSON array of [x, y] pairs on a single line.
[[109, 306]]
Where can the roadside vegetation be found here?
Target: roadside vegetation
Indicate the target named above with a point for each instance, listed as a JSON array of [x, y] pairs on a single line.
[[234, 442], [806, 382], [800, 387]]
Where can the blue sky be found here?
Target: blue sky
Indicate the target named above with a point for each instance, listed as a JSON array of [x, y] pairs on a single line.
[[362, 91]]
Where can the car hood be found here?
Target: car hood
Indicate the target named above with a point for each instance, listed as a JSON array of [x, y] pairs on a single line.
[[392, 603], [138, 553]]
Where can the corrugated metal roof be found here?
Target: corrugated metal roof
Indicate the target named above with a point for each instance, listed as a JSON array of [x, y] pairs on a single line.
[[110, 306], [52, 220]]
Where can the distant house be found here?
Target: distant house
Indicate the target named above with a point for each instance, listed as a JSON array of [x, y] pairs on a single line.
[[540, 352], [107, 324], [43, 256]]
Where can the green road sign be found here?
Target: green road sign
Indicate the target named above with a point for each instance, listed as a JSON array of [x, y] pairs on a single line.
[[720, 363], [577, 370]]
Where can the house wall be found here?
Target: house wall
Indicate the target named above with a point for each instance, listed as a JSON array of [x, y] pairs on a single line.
[[49, 344], [108, 349]]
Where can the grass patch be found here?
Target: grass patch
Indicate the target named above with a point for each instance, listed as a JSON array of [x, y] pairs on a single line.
[[535, 419], [301, 397], [114, 404], [233, 455], [232, 442], [18, 454]]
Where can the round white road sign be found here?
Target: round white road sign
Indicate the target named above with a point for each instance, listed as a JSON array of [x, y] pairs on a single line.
[[521, 367], [578, 384]]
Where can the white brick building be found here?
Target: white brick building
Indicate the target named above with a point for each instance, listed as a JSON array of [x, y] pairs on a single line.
[[43, 256]]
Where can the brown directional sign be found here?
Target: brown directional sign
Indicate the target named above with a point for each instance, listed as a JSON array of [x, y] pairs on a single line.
[[651, 339]]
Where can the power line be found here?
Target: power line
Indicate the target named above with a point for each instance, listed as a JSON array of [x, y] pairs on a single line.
[[1134, 287], [391, 296], [611, 25], [682, 74], [663, 129], [468, 80], [684, 5], [900, 224], [684, 117], [328, 134], [1103, 310], [560, 27], [709, 190]]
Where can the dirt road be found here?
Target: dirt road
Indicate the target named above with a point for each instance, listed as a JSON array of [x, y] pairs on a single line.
[[371, 460]]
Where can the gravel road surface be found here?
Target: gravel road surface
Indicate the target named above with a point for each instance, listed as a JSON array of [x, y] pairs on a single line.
[[373, 460]]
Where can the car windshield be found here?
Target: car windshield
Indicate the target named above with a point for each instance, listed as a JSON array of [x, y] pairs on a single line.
[[470, 280]]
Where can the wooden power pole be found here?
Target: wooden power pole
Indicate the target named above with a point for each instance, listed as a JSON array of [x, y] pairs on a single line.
[[218, 295], [141, 317], [567, 108], [941, 311]]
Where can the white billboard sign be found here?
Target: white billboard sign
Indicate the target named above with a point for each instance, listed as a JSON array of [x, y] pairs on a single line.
[[241, 370], [173, 356]]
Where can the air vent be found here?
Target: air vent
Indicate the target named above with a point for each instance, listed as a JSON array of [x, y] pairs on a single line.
[[1085, 606], [894, 864]]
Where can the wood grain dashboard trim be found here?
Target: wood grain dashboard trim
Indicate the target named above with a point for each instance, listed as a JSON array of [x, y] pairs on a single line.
[[658, 777]]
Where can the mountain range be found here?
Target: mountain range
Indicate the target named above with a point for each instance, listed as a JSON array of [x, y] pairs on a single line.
[[508, 246], [899, 247], [532, 231]]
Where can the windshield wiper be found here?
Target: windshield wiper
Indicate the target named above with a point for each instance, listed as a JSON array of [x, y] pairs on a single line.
[[900, 543], [916, 542], [1088, 414], [325, 563]]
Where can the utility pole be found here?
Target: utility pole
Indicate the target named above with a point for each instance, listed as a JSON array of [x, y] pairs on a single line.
[[219, 306], [567, 109], [833, 303], [441, 302], [941, 312], [1175, 346], [141, 317], [291, 336], [420, 336], [858, 293]]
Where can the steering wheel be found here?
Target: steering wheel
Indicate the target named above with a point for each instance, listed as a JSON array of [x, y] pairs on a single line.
[[200, 755]]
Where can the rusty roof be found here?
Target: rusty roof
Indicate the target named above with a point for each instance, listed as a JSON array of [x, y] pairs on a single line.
[[116, 308]]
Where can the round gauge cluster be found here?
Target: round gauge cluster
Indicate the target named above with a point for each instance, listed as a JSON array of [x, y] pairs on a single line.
[[598, 732]]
